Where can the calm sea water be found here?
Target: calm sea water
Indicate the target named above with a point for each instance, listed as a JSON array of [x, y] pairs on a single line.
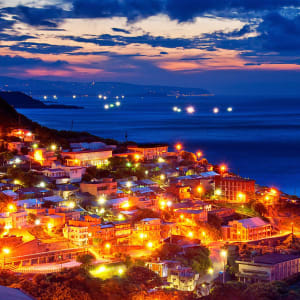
[[258, 139]]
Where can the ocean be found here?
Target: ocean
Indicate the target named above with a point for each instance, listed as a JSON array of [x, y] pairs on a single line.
[[258, 139]]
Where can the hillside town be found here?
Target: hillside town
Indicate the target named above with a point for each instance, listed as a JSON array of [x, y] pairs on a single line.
[[190, 221]]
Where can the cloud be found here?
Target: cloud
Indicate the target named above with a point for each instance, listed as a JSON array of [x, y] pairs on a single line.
[[120, 30], [19, 61], [43, 48], [119, 40], [48, 16]]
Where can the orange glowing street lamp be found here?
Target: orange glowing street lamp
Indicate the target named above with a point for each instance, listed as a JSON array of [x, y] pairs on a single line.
[[178, 147], [11, 207], [223, 168], [200, 189], [199, 154]]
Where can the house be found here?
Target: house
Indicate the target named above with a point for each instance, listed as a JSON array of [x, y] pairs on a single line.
[[77, 235], [23, 134], [16, 219], [87, 158], [146, 230], [190, 217], [268, 267], [150, 151], [234, 189], [183, 279], [104, 186], [247, 229]]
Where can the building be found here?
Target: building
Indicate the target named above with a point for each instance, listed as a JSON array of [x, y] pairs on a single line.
[[87, 158], [190, 217], [105, 186], [268, 267], [23, 134], [247, 229], [234, 189], [147, 230], [183, 279], [150, 151], [16, 219], [77, 235]]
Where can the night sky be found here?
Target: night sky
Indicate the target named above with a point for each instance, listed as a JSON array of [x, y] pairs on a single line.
[[229, 47]]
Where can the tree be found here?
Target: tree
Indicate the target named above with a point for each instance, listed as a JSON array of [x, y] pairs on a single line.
[[86, 260], [260, 208], [141, 275], [31, 218]]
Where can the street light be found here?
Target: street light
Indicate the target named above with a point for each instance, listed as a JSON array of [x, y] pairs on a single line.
[[199, 154], [178, 147], [53, 147], [6, 251], [210, 271]]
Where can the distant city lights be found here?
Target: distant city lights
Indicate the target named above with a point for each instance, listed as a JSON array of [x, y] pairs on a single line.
[[216, 110], [190, 109], [229, 109]]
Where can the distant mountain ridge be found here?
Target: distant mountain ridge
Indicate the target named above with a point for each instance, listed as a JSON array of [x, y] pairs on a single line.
[[68, 88], [21, 100]]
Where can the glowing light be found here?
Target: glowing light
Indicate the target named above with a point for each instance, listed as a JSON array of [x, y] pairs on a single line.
[[42, 184], [162, 204], [128, 164], [17, 160], [74, 96], [6, 251], [101, 200], [126, 204], [199, 154], [100, 96], [175, 108], [107, 245], [178, 147], [190, 234], [149, 245], [102, 269], [267, 198], [111, 105], [223, 168], [181, 216], [273, 192], [142, 235], [11, 207], [50, 225], [118, 103], [169, 203], [71, 204], [34, 146], [129, 184], [105, 97], [102, 211], [179, 110], [216, 110], [45, 97], [210, 271], [53, 147], [89, 234], [37, 222], [229, 109], [120, 271], [218, 192], [120, 217], [161, 160], [17, 181], [106, 106], [162, 177], [137, 157], [117, 97], [190, 109], [38, 156], [223, 253], [203, 233], [200, 189], [146, 172]]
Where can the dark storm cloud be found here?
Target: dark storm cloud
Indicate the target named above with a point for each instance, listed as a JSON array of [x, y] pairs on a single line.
[[43, 48], [7, 61]]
